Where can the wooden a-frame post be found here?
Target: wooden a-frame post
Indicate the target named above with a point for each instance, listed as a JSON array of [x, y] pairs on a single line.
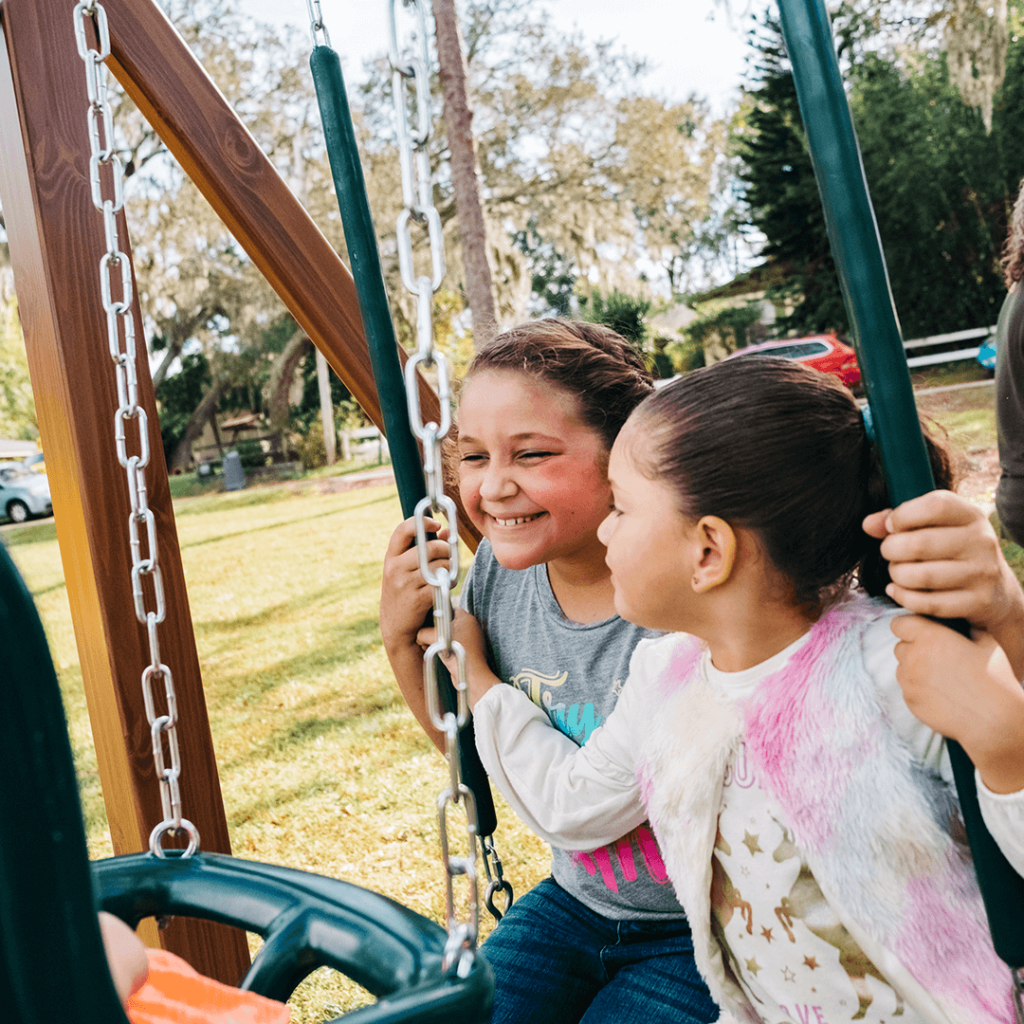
[[56, 241]]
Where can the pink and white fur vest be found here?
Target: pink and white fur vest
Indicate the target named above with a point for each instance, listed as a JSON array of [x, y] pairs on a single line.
[[874, 826]]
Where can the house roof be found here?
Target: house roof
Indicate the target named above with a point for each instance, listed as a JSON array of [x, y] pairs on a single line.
[[764, 275], [246, 419]]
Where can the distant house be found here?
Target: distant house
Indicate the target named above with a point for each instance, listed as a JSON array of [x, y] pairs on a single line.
[[744, 290], [671, 321], [748, 287]]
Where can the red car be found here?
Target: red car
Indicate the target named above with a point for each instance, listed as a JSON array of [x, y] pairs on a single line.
[[823, 352]]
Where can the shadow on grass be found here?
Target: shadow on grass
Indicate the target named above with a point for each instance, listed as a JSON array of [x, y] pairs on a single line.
[[43, 591], [36, 533], [342, 645], [278, 799], [299, 603], [299, 730], [282, 523]]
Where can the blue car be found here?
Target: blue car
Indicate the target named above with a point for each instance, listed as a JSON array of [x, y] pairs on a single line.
[[23, 493], [987, 356]]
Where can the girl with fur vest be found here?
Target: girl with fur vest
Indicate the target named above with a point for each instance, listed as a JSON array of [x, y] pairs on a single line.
[[786, 749]]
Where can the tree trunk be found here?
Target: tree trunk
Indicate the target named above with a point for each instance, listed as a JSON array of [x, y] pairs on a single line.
[[281, 376], [326, 409], [458, 120], [207, 407], [172, 353]]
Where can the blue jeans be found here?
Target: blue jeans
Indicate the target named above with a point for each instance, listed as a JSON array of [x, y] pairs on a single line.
[[557, 962]]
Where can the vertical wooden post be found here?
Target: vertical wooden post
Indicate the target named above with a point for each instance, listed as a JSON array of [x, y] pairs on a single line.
[[56, 240]]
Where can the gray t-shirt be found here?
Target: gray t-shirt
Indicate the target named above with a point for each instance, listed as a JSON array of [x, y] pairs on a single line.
[[575, 672]]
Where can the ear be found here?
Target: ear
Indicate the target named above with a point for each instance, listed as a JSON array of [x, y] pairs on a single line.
[[715, 553]]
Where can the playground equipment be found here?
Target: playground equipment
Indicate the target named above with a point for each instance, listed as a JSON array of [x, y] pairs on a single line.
[[46, 190], [306, 921]]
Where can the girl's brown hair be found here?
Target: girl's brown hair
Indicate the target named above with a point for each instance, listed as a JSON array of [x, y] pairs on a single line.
[[598, 367], [1013, 250], [780, 449]]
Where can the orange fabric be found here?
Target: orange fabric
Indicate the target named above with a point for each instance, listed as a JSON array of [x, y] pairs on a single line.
[[176, 994]]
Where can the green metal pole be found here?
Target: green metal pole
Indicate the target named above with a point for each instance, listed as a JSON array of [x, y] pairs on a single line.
[[364, 261], [350, 187], [857, 249]]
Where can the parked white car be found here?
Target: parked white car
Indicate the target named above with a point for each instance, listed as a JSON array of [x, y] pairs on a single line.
[[23, 493]]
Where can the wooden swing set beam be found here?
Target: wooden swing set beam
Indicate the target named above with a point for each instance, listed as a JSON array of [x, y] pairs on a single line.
[[56, 242]]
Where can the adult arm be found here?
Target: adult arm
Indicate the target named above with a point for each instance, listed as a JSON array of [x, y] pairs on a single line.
[[926, 698]]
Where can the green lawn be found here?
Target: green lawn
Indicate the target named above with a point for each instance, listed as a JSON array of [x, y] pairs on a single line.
[[321, 765]]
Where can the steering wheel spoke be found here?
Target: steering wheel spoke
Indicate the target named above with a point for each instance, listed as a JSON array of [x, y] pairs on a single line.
[[306, 921]]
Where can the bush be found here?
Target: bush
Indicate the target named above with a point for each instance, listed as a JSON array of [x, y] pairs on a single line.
[[312, 449], [251, 454], [622, 313], [730, 324], [687, 355]]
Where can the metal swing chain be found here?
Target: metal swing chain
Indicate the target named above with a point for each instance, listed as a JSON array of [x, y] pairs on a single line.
[[115, 264], [316, 23], [419, 208]]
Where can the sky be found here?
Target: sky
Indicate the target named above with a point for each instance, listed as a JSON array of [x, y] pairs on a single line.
[[692, 46]]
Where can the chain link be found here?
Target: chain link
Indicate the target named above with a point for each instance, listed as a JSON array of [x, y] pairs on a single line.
[[417, 194], [117, 294], [316, 23]]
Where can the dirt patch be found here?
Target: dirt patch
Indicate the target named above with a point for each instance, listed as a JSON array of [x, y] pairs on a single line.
[[979, 476]]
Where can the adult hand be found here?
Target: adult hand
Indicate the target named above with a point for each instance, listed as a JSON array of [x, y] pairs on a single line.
[[964, 689], [945, 560]]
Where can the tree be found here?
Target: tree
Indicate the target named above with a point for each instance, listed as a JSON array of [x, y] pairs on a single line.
[[17, 407], [973, 33], [564, 135], [200, 292], [780, 190], [459, 125], [939, 182], [624, 314]]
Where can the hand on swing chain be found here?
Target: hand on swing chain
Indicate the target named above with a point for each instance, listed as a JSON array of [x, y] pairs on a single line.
[[466, 631], [945, 561], [406, 599], [964, 689]]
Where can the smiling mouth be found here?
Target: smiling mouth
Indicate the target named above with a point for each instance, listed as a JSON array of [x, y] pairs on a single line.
[[518, 520]]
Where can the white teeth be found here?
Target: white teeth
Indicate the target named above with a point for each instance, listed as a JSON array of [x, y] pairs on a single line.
[[518, 520]]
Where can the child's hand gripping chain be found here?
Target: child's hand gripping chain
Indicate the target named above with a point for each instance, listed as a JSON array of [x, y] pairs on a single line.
[[603, 939]]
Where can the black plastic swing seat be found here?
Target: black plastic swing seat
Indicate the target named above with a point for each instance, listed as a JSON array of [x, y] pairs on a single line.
[[307, 921], [52, 964]]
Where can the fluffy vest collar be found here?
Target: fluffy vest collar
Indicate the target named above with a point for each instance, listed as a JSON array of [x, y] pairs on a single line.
[[873, 825]]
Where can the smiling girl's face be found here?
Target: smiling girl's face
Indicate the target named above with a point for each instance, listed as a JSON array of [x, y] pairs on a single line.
[[532, 474]]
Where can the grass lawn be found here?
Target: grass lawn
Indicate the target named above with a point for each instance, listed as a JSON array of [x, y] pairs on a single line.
[[321, 765], [967, 414]]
